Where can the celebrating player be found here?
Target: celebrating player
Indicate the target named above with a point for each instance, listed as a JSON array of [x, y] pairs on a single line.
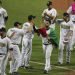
[[71, 11], [27, 42], [5, 45], [48, 41], [15, 34], [50, 14], [66, 31]]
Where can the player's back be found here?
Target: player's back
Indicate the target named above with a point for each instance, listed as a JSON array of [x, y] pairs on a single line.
[[28, 34], [16, 35]]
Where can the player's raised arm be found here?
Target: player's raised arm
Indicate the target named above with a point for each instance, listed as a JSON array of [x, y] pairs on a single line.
[[59, 21], [10, 34]]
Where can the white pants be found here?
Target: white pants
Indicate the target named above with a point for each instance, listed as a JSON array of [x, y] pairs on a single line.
[[3, 64], [47, 52], [15, 63], [68, 51], [26, 51]]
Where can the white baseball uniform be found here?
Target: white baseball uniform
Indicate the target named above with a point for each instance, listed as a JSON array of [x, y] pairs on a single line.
[[16, 40], [51, 12], [47, 48], [72, 16], [5, 45], [3, 13], [26, 44], [65, 27]]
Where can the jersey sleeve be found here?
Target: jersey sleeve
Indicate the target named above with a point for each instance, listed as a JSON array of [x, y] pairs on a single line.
[[59, 21], [9, 33], [10, 45], [54, 13], [5, 13], [43, 13], [21, 31], [26, 28]]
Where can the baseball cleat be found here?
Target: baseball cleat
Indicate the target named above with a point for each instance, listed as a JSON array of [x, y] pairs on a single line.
[[28, 67], [45, 72]]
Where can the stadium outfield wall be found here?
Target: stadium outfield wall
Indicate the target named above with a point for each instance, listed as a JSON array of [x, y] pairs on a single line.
[[61, 4]]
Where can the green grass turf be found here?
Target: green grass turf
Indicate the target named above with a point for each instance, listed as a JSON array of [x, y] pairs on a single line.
[[18, 10]]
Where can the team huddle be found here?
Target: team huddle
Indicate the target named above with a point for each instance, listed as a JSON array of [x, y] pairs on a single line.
[[11, 40]]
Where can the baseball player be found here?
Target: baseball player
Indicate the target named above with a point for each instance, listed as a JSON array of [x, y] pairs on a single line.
[[50, 14], [5, 47], [47, 49], [3, 16], [71, 11], [47, 44], [27, 42], [66, 32], [15, 34]]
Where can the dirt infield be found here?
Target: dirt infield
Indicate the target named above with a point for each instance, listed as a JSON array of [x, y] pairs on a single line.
[[61, 4], [70, 73]]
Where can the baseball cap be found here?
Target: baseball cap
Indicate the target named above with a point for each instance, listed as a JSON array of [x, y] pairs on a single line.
[[49, 3], [30, 17], [2, 29], [17, 23], [66, 14]]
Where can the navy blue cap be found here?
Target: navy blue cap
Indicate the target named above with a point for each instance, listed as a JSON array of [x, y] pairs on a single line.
[[17, 23], [30, 17], [2, 29], [66, 14]]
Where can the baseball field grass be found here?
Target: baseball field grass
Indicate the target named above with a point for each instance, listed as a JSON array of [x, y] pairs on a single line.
[[18, 10]]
